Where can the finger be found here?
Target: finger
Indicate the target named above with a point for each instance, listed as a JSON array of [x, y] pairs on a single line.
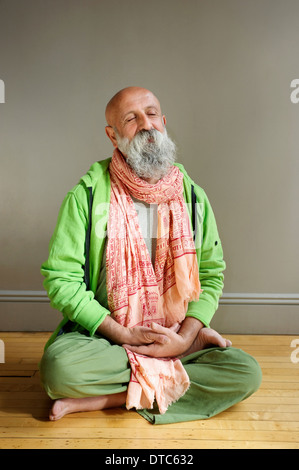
[[175, 327], [157, 338], [159, 328], [162, 339], [223, 342], [220, 342], [159, 334], [217, 339]]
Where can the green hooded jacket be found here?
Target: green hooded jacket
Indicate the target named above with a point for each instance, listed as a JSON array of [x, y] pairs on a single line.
[[64, 269]]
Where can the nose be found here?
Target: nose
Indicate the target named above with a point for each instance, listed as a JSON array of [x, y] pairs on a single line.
[[144, 123]]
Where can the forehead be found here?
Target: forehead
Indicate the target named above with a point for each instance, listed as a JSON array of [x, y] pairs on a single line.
[[131, 102]]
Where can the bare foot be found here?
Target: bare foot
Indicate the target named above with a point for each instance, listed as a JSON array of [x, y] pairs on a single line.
[[60, 408], [64, 406], [207, 338]]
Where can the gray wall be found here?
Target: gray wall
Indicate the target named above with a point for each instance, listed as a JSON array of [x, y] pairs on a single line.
[[222, 70]]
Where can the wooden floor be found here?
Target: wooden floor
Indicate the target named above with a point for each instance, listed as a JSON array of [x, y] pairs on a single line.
[[269, 419]]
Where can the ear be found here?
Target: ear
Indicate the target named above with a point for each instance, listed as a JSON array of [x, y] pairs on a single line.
[[111, 134], [164, 119]]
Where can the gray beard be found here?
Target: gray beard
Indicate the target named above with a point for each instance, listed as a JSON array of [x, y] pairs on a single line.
[[148, 159]]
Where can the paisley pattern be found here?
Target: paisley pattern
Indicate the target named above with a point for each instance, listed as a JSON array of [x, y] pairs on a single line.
[[140, 293]]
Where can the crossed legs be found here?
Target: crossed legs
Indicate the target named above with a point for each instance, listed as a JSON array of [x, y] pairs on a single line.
[[87, 374]]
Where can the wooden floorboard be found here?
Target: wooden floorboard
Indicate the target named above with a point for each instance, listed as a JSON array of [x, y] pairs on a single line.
[[267, 420]]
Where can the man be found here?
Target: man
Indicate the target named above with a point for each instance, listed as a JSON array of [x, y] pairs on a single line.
[[138, 332]]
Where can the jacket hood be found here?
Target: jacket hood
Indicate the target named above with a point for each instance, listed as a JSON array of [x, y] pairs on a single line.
[[96, 172]]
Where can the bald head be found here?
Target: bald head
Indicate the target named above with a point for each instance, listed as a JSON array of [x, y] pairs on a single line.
[[131, 110], [125, 97]]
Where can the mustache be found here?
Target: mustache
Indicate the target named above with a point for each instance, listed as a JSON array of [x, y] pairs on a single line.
[[145, 137]]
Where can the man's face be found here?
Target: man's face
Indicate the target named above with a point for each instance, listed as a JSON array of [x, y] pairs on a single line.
[[136, 127], [136, 111]]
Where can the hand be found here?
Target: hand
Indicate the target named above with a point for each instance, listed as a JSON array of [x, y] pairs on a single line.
[[170, 344], [142, 336], [207, 338], [177, 346], [137, 336]]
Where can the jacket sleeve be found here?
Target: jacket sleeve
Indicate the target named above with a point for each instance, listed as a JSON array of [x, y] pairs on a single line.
[[64, 269], [210, 260]]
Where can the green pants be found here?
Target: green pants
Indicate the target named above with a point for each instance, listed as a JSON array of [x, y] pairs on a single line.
[[76, 366]]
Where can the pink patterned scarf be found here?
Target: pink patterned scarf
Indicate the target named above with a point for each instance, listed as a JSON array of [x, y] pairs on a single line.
[[138, 293]]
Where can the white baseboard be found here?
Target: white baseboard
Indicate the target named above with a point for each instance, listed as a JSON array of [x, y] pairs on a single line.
[[238, 313], [226, 299], [259, 299], [23, 296]]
